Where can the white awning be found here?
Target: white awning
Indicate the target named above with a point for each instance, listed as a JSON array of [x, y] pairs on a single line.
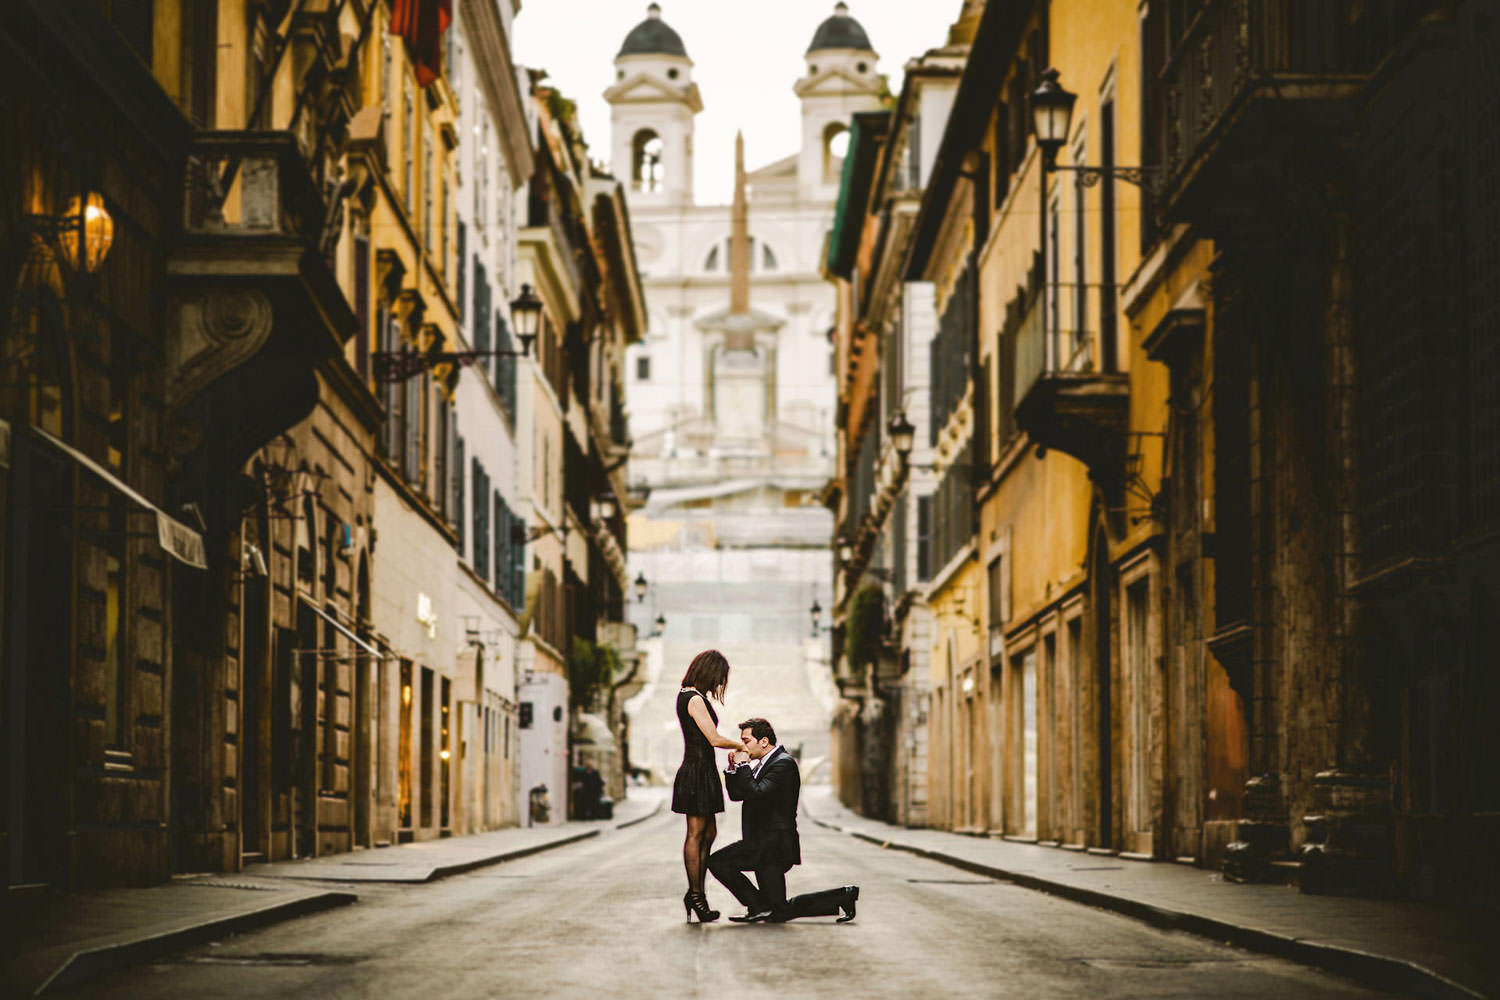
[[180, 542], [339, 626]]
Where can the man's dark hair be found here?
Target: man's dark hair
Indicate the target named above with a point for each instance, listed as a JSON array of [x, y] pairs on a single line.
[[760, 729]]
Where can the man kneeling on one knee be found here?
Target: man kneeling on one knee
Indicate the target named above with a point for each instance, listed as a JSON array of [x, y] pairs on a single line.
[[765, 778]]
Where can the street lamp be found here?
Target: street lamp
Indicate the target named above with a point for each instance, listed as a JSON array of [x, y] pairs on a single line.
[[82, 234], [602, 507], [661, 624], [845, 549], [640, 587], [87, 231], [1051, 116], [1052, 122], [526, 317], [903, 434], [817, 611], [398, 366]]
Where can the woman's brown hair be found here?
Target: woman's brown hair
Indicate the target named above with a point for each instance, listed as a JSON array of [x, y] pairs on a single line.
[[708, 674]]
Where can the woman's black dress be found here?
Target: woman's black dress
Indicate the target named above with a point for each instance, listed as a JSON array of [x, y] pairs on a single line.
[[696, 791]]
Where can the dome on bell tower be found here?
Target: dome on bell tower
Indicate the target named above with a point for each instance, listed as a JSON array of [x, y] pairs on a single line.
[[653, 37], [840, 32]]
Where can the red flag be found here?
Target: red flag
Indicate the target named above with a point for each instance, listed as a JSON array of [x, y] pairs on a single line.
[[422, 23]]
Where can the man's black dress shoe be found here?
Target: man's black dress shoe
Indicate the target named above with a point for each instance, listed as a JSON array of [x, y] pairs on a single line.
[[754, 917], [851, 893]]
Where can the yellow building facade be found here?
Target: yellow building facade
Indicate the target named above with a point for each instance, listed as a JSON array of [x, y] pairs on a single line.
[[1047, 633]]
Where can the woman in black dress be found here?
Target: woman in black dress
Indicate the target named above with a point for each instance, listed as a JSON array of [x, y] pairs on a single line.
[[696, 792]]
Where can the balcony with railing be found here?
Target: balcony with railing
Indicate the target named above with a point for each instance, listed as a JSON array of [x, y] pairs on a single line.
[[1235, 78], [254, 218], [1062, 400]]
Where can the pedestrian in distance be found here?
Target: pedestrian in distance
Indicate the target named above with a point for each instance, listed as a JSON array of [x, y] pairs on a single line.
[[771, 847], [696, 792]]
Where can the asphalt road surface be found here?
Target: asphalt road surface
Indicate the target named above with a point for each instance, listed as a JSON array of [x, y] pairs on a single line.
[[603, 918]]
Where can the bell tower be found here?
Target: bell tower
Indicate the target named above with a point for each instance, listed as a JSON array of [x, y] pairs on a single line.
[[653, 102], [841, 79]]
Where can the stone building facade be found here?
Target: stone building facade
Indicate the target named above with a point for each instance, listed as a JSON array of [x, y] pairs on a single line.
[[256, 602], [1226, 410]]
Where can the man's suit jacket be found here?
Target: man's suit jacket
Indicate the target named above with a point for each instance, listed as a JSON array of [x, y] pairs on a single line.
[[769, 818]]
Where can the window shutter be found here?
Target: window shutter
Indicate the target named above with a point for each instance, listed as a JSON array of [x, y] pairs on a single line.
[[462, 258], [481, 522], [460, 477], [500, 527], [518, 572], [455, 473], [412, 415], [505, 368]]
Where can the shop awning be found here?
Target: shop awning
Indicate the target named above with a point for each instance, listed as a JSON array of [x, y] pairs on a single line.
[[340, 627], [180, 542]]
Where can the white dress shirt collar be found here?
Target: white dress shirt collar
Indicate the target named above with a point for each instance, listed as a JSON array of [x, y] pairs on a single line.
[[769, 754]]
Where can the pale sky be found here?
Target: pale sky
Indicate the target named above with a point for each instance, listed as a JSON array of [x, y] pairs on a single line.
[[746, 56]]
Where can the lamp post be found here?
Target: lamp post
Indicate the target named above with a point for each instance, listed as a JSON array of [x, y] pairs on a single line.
[[640, 587], [602, 507], [525, 317], [82, 234], [903, 435], [1052, 123], [817, 611]]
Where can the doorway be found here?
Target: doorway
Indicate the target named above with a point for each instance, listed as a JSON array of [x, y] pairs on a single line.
[[37, 655], [1103, 619], [1023, 679], [254, 659]]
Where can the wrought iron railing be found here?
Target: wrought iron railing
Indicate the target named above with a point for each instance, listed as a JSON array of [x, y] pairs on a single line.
[[1234, 46]]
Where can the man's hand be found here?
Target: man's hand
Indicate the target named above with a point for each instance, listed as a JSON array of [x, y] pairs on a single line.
[[738, 757]]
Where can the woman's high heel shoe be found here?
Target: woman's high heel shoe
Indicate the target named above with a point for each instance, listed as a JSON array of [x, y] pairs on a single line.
[[697, 903]]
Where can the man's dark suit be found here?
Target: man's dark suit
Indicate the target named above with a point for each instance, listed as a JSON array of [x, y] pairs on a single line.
[[769, 825]]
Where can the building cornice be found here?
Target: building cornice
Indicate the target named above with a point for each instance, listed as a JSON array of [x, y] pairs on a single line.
[[501, 84]]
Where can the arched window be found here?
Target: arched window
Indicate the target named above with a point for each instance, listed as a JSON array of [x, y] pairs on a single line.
[[760, 262], [835, 145], [646, 171]]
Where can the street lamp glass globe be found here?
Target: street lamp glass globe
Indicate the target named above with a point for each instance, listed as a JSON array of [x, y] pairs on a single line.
[[1051, 113], [526, 316], [604, 507], [86, 217], [903, 434]]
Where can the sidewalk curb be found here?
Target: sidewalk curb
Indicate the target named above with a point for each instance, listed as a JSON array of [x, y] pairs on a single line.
[[443, 871], [94, 962], [642, 819], [1378, 971], [436, 872]]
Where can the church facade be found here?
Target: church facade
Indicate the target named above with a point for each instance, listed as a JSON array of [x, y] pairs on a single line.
[[702, 411], [732, 394]]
